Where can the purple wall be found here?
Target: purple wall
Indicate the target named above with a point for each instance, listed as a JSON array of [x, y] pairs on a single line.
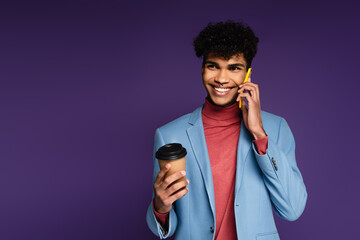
[[84, 85]]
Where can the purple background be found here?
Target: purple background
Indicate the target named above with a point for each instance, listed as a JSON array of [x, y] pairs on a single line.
[[84, 85]]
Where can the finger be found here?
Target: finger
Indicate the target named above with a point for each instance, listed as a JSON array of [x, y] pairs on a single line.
[[175, 187], [248, 84], [178, 195], [239, 96], [247, 87], [161, 175], [253, 88], [247, 96], [242, 88], [172, 178], [256, 86]]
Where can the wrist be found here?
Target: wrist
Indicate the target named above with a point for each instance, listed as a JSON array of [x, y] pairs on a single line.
[[160, 210], [259, 134]]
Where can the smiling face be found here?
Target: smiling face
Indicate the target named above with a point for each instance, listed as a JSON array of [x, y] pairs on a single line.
[[221, 78]]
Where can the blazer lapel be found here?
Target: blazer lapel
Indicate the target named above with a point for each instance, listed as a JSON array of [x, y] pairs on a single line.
[[243, 150], [197, 140]]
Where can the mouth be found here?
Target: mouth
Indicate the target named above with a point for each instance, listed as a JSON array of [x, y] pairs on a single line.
[[221, 91]]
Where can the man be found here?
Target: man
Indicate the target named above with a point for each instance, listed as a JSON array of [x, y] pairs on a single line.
[[240, 163]]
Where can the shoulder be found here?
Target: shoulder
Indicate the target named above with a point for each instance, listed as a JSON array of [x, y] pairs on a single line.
[[270, 117], [270, 120], [276, 126], [178, 122], [181, 123]]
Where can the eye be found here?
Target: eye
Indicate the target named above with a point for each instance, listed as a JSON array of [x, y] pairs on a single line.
[[211, 66], [235, 68]]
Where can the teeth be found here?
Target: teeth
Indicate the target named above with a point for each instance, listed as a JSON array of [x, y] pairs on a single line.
[[222, 89]]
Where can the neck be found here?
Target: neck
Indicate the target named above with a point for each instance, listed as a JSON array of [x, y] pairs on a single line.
[[221, 113]]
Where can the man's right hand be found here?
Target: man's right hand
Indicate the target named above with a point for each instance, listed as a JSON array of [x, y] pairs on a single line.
[[164, 199]]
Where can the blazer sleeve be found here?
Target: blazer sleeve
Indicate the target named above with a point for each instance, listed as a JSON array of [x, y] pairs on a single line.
[[151, 220], [281, 174]]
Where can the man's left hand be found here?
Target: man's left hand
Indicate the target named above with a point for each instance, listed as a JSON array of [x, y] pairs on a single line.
[[251, 116]]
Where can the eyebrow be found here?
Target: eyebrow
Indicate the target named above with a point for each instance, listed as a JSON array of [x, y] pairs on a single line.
[[230, 65]]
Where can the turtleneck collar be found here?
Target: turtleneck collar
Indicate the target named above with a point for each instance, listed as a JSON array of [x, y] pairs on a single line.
[[221, 116]]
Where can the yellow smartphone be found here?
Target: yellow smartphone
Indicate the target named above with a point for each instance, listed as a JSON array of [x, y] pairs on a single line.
[[246, 78]]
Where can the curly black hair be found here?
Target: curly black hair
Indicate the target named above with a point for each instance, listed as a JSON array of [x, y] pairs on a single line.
[[226, 39]]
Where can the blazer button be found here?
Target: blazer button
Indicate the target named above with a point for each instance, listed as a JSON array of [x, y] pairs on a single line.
[[211, 229]]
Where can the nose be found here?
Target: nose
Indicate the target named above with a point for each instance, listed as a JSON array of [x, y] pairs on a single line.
[[222, 77]]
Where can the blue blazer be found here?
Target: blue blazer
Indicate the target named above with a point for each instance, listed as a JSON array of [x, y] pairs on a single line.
[[263, 182]]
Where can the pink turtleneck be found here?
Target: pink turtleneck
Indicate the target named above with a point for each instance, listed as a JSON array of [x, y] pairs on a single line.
[[222, 129]]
